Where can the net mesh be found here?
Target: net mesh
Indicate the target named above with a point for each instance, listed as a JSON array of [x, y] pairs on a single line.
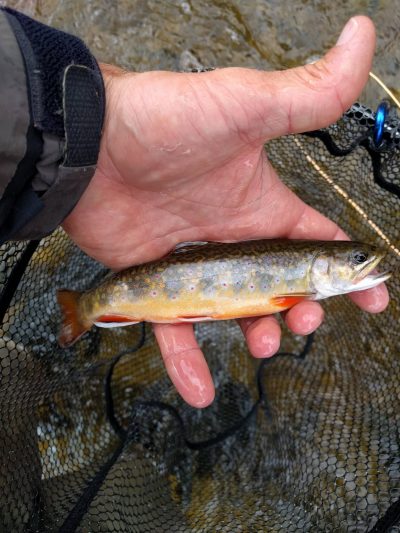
[[95, 438]]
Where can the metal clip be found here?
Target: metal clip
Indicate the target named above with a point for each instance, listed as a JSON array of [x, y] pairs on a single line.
[[380, 117]]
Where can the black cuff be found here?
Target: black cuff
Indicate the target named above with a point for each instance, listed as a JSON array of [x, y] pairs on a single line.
[[66, 103]]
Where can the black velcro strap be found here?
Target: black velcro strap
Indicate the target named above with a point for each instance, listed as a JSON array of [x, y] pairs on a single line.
[[82, 116]]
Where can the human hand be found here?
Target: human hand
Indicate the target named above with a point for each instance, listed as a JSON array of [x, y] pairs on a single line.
[[182, 159]]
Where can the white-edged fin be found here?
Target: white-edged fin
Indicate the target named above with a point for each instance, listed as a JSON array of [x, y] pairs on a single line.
[[114, 324], [183, 247], [194, 319]]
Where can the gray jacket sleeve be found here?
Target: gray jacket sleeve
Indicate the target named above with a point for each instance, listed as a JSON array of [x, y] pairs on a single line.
[[51, 116]]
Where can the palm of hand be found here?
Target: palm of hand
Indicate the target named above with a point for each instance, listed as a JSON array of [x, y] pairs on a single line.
[[169, 176]]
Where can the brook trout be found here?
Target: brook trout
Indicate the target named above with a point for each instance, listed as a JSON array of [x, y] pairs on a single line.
[[218, 281]]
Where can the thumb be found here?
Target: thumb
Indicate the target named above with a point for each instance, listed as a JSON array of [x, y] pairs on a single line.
[[270, 104]]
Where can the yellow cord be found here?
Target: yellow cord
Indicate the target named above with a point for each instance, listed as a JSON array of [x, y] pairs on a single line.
[[346, 197], [388, 91]]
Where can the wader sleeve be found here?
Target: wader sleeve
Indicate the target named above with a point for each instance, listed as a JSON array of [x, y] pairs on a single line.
[[51, 116]]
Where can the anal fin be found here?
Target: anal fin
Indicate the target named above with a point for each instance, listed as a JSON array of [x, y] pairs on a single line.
[[194, 318]]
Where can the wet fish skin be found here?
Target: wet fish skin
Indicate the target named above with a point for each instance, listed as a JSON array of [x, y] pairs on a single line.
[[218, 281]]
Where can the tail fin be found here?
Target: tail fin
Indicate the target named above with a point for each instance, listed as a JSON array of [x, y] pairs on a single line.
[[72, 328]]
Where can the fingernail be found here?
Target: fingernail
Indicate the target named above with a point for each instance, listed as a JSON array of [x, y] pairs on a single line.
[[265, 343], [348, 32], [192, 379], [310, 323], [377, 299], [267, 346]]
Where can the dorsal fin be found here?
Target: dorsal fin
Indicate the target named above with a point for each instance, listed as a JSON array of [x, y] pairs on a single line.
[[183, 247]]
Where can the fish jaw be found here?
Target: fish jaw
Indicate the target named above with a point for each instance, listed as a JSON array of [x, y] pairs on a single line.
[[369, 281]]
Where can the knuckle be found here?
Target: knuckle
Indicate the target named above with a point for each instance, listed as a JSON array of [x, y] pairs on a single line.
[[316, 75], [170, 355]]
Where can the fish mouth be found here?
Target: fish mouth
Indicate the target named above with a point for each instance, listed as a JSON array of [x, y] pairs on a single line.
[[370, 280], [368, 272], [368, 277]]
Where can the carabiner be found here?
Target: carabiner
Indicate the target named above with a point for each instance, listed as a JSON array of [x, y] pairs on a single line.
[[380, 117]]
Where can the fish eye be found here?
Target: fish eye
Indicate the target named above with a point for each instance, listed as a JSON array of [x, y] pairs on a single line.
[[359, 257]]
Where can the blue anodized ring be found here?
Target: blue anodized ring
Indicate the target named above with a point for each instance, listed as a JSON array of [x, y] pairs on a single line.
[[380, 117]]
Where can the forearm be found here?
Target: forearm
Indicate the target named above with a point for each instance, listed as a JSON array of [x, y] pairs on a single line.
[[52, 108]]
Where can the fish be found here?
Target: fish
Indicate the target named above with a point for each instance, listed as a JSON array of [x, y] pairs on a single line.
[[219, 281]]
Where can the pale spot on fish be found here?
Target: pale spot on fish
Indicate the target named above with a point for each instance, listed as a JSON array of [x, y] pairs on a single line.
[[248, 163], [154, 293]]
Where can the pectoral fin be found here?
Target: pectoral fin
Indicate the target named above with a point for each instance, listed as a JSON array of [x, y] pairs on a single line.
[[285, 301]]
